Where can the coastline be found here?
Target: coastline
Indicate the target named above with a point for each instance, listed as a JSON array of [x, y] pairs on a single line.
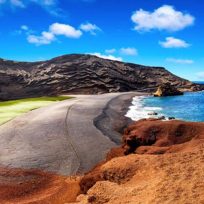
[[112, 121], [186, 107], [49, 125], [118, 172]]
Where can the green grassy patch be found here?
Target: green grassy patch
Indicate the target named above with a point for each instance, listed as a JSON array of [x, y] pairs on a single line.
[[14, 108]]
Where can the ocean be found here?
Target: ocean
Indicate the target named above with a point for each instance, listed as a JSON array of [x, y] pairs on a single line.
[[189, 107]]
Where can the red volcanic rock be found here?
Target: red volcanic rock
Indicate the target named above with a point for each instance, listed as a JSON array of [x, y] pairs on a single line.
[[147, 136], [153, 136], [149, 174], [35, 186], [116, 172]]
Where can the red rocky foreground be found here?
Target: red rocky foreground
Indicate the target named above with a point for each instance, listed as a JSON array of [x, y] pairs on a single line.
[[157, 137], [20, 186], [164, 164], [158, 162]]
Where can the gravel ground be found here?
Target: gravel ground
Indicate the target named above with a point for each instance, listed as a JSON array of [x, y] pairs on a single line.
[[61, 137]]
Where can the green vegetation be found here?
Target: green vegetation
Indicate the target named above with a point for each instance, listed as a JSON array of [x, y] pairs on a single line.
[[14, 108]]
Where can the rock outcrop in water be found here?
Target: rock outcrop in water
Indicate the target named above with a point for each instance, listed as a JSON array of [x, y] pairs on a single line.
[[80, 74], [167, 90]]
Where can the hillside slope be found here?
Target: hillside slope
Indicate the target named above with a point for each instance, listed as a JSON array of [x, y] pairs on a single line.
[[79, 74]]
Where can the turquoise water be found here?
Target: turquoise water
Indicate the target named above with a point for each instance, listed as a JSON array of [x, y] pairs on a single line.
[[189, 107]]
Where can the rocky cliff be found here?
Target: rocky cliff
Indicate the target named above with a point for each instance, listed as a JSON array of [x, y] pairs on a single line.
[[80, 74], [162, 157]]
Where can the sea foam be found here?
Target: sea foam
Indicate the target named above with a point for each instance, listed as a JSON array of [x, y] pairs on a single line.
[[138, 110]]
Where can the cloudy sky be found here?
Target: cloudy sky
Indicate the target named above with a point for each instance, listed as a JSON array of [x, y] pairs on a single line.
[[167, 33]]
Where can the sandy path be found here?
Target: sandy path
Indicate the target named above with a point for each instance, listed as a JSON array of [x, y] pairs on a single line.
[[89, 142], [59, 138], [38, 140]]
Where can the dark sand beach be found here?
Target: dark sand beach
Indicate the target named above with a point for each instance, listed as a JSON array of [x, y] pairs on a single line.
[[66, 137]]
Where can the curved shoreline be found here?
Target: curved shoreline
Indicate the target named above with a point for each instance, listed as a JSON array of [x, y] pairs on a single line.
[[112, 121], [38, 139]]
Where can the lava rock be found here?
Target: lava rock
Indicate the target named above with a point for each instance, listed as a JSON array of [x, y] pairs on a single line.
[[80, 74], [167, 89], [161, 118], [153, 113], [171, 118]]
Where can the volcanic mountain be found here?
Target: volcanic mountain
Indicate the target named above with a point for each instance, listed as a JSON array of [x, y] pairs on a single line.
[[80, 74]]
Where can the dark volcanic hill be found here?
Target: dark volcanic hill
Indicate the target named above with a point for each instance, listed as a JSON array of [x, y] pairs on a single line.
[[79, 74]]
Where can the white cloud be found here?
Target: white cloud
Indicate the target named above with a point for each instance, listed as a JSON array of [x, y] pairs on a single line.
[[129, 51], [17, 3], [50, 6], [23, 3], [44, 39], [163, 18], [110, 57], [110, 51], [200, 75], [88, 27], [66, 30], [172, 42], [180, 61], [55, 29], [24, 27]]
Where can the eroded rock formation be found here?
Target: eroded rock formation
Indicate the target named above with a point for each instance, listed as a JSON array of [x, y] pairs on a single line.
[[81, 74], [150, 173], [167, 90], [152, 136]]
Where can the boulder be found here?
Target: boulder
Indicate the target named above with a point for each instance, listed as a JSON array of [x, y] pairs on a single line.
[[167, 90], [161, 118], [152, 113]]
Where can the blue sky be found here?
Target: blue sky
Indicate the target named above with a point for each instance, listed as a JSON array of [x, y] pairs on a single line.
[[155, 32]]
